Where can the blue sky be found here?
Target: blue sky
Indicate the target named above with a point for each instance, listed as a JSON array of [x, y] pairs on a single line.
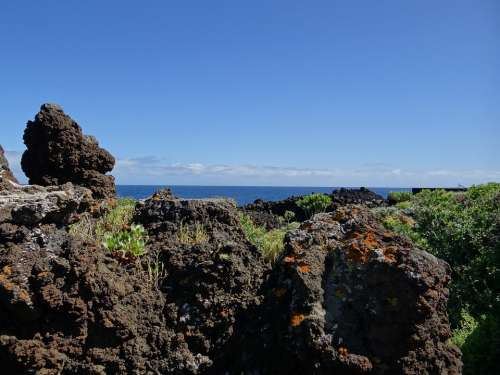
[[377, 93]]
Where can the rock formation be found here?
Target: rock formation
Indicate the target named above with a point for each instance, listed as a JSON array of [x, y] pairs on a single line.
[[6, 175], [347, 297], [213, 274], [67, 307], [58, 152], [266, 213]]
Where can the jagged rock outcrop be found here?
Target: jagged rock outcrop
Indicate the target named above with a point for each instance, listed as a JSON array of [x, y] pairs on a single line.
[[68, 307], [266, 213], [6, 175], [348, 297], [212, 273], [364, 196], [58, 152]]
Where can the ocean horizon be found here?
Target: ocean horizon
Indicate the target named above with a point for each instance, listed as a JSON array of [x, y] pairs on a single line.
[[241, 194]]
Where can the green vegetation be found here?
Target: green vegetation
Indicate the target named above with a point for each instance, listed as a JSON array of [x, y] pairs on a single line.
[[192, 236], [314, 203], [399, 196], [114, 220], [269, 242], [129, 243], [463, 229]]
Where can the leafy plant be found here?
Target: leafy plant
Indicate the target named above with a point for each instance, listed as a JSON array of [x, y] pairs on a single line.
[[314, 203], [130, 243], [289, 216]]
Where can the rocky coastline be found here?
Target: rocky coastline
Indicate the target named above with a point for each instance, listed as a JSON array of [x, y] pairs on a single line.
[[346, 296]]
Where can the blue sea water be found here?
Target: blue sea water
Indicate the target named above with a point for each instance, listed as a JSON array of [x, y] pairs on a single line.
[[241, 194]]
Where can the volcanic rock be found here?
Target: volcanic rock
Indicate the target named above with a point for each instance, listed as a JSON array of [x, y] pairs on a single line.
[[347, 297], [212, 272], [364, 196], [58, 152], [6, 175]]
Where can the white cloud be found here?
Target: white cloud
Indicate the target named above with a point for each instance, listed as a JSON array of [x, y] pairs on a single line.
[[152, 170]]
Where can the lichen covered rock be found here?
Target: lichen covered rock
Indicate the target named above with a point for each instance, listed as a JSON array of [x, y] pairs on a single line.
[[348, 297], [58, 152]]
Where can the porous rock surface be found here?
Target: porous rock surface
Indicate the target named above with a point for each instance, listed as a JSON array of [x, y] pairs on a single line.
[[6, 175], [68, 307], [213, 273], [347, 297], [58, 152], [266, 213]]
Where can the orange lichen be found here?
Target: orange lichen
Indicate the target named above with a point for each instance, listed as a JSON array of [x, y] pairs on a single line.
[[343, 352], [279, 292], [289, 259], [2, 278], [156, 197], [8, 286], [296, 319], [224, 313], [370, 241], [7, 270], [390, 253], [42, 274], [304, 268], [107, 323], [23, 295]]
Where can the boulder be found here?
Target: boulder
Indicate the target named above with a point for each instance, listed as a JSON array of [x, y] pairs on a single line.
[[348, 297], [6, 175], [343, 197], [58, 152], [212, 273]]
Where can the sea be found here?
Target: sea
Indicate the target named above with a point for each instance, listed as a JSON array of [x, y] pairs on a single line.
[[241, 194]]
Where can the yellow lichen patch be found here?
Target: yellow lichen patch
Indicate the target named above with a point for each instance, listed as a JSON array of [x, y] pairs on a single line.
[[7, 270], [296, 319], [304, 268], [8, 286], [156, 197], [279, 292], [343, 352], [43, 274], [2, 278], [289, 259], [107, 323], [24, 296]]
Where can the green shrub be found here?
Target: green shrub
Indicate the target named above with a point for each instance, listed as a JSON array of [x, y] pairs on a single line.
[[399, 196], [289, 216], [314, 203], [269, 243], [130, 243], [464, 230], [479, 341]]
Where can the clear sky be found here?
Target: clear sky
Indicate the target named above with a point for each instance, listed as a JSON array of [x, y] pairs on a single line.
[[264, 92]]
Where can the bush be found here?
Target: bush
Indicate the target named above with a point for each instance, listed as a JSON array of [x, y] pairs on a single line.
[[399, 196], [127, 243], [269, 243], [479, 341], [314, 203], [464, 230]]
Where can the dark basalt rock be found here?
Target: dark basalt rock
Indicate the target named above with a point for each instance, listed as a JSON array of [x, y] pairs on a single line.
[[213, 274], [364, 196], [266, 213], [6, 175], [347, 297], [67, 307], [58, 152]]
